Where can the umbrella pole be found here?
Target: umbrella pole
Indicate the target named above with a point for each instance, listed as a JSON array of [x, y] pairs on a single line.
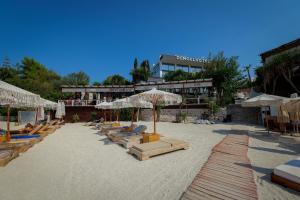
[[8, 124], [36, 113], [110, 116], [132, 116], [137, 115], [118, 116], [104, 116], [154, 124]]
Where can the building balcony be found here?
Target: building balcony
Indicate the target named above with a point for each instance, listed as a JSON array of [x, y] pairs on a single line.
[[81, 102]]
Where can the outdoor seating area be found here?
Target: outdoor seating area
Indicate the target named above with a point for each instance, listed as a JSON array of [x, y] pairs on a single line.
[[279, 114], [14, 142], [20, 143], [141, 144]]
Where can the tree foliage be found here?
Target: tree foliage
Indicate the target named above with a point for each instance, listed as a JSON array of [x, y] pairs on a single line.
[[140, 72], [283, 66], [33, 76], [76, 78], [177, 75], [226, 76], [116, 80]]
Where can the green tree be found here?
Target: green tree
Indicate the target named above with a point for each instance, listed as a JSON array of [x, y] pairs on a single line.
[[136, 63], [226, 76], [76, 78], [96, 83], [140, 73], [6, 62], [116, 80], [36, 78], [177, 75], [283, 66]]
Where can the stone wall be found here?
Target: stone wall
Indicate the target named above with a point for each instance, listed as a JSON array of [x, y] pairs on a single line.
[[243, 114], [171, 115]]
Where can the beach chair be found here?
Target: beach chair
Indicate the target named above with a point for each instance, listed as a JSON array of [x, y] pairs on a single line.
[[128, 142], [48, 128], [288, 174], [35, 130], [28, 127], [165, 145], [7, 155], [118, 135], [118, 129], [92, 123]]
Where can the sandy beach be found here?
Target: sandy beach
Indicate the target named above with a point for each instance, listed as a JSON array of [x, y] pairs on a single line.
[[77, 163]]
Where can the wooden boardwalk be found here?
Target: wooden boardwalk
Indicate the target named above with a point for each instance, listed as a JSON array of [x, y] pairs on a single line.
[[227, 174]]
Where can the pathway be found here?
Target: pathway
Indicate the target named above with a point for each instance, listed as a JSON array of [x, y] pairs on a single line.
[[227, 174]]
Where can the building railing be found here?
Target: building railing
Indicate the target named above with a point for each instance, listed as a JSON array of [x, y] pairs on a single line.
[[78, 102]]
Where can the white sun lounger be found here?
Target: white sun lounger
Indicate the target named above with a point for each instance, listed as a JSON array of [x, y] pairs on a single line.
[[288, 174]]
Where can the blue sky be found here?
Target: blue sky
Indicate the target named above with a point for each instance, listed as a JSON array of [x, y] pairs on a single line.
[[103, 37]]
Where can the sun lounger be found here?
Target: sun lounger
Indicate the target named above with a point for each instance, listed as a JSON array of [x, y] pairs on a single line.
[[20, 145], [118, 135], [165, 145], [128, 142], [118, 129], [6, 156], [47, 129], [92, 123], [29, 127], [35, 130], [288, 174]]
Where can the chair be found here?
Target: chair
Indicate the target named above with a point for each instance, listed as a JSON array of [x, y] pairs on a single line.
[[118, 135], [288, 174]]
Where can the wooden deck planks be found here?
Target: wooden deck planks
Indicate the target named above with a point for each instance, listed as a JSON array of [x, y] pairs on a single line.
[[227, 174]]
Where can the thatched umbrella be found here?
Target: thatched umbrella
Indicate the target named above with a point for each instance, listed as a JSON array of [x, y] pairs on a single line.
[[264, 100], [157, 97], [105, 106], [12, 96], [126, 103]]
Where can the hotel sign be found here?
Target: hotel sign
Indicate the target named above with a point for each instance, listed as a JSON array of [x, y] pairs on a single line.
[[191, 59]]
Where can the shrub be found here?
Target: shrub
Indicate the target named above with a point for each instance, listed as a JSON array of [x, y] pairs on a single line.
[[93, 115], [75, 118], [183, 116], [214, 107]]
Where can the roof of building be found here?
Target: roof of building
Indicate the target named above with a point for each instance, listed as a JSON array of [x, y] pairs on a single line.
[[280, 49], [182, 60]]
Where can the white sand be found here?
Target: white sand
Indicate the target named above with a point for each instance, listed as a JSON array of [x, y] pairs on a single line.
[[76, 163]]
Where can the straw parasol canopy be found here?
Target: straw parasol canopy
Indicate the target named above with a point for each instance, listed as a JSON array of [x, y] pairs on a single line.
[[106, 106], [12, 96], [126, 103], [264, 100], [17, 97], [157, 97], [48, 104]]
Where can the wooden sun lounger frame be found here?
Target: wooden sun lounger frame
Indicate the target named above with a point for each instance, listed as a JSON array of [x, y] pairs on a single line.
[[5, 161], [35, 130], [130, 141], [285, 182], [155, 152]]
